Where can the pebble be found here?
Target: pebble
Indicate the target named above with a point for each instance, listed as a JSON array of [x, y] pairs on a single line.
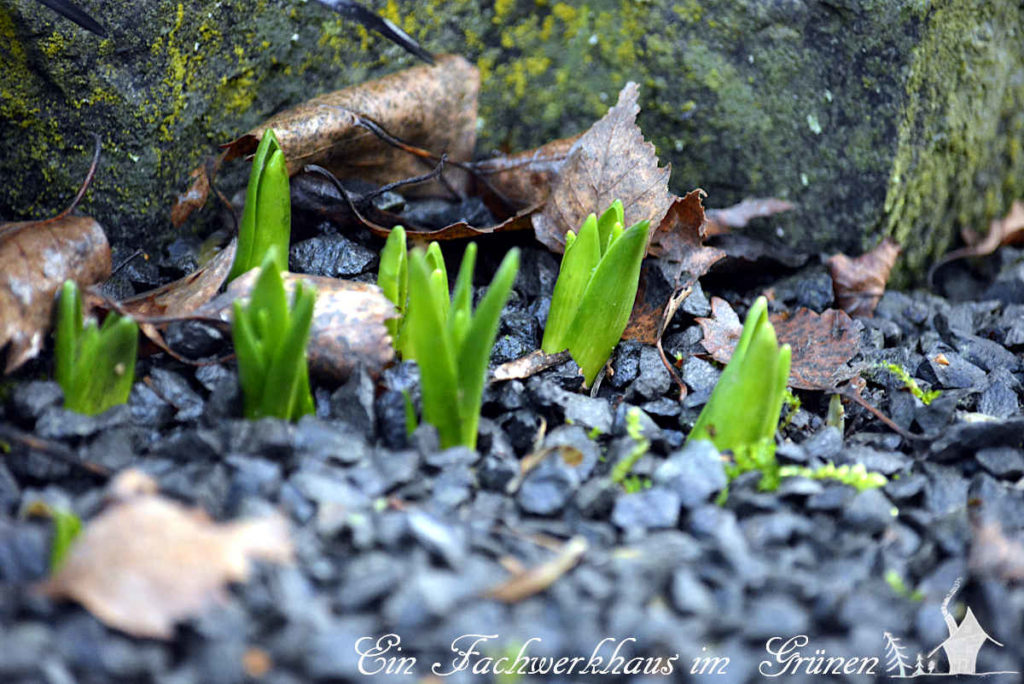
[[654, 508], [695, 473]]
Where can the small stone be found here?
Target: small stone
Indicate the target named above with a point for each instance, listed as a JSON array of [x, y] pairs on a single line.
[[1004, 462], [547, 488], [625, 364], [834, 498], [906, 487], [175, 390], [353, 403], [30, 399], [439, 538], [696, 303], [323, 441], [334, 256], [367, 578], [596, 498], [869, 510], [690, 596], [701, 376], [653, 508], [390, 410], [653, 379], [695, 473], [452, 488], [455, 456], [194, 339], [771, 616], [824, 444], [950, 370], [1000, 399]]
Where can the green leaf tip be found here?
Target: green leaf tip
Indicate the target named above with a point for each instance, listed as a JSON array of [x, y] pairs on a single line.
[[393, 279], [451, 342], [94, 365], [267, 216], [597, 283], [270, 343], [743, 410]]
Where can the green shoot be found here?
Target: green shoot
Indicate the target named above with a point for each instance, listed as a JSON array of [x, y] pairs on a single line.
[[836, 414], [635, 431], [452, 343], [743, 411], [66, 528], [791, 403], [393, 280], [899, 587], [95, 364], [270, 343], [267, 217], [856, 476], [596, 286], [911, 385], [635, 484]]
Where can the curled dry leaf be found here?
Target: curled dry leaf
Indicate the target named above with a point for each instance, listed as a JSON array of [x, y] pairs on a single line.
[[348, 328], [538, 579], [1008, 230], [429, 109], [679, 258], [859, 283], [147, 562], [822, 345], [36, 257], [739, 215], [524, 179], [610, 161]]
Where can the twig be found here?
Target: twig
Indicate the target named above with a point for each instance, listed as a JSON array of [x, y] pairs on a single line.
[[52, 449]]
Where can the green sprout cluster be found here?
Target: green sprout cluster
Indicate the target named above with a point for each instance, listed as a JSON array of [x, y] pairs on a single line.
[[856, 476], [95, 365], [596, 286], [270, 343], [267, 216], [911, 385], [449, 340], [393, 280], [744, 407], [621, 471]]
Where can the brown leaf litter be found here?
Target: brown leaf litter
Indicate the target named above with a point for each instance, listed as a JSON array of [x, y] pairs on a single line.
[[859, 283]]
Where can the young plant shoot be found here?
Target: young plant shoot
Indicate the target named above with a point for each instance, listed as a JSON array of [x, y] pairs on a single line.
[[267, 217], [393, 280], [451, 342], [596, 286], [95, 364], [743, 411], [270, 343]]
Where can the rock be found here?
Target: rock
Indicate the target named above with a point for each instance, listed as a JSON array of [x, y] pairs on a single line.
[[695, 473], [438, 537], [334, 256], [30, 399], [846, 125], [869, 511], [653, 508], [1002, 462], [653, 379], [625, 364]]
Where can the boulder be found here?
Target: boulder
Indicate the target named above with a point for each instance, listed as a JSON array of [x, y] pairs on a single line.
[[877, 117]]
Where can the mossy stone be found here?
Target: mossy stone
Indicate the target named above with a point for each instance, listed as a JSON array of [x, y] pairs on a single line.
[[878, 117]]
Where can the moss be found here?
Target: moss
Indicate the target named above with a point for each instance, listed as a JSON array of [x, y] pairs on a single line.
[[958, 162]]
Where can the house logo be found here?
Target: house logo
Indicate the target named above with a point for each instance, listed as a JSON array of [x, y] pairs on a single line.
[[959, 652]]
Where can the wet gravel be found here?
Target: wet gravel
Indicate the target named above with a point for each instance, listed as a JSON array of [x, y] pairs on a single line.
[[396, 536]]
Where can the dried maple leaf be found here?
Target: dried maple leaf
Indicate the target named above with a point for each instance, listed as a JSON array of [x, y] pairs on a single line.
[[679, 259], [348, 328], [36, 257], [822, 345], [425, 111], [739, 215], [147, 562], [610, 161], [859, 283]]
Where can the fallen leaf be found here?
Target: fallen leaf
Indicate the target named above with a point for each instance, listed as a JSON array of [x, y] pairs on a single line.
[[527, 366], [860, 283], [610, 161], [36, 257], [679, 259], [425, 112], [993, 554], [348, 328], [524, 179], [1008, 230], [722, 221], [822, 345], [538, 579], [147, 562]]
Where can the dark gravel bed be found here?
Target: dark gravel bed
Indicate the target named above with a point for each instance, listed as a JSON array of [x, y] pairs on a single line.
[[394, 536]]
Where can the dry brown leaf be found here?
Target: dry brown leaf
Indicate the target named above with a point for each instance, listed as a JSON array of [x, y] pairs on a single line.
[[995, 555], [860, 283], [680, 258], [529, 365], [36, 257], [147, 562], [538, 579], [524, 179], [610, 161], [739, 215], [1008, 230], [348, 323], [822, 345], [429, 108]]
